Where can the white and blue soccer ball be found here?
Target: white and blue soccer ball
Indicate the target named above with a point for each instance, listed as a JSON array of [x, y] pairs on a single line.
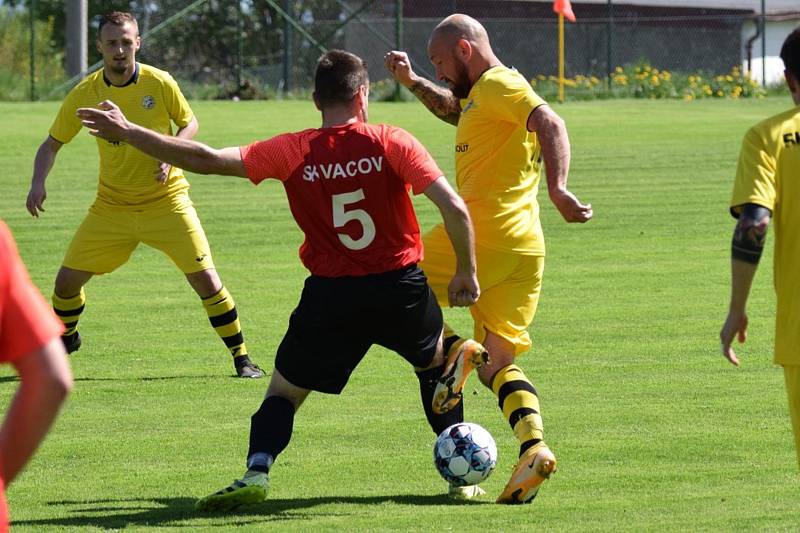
[[465, 454]]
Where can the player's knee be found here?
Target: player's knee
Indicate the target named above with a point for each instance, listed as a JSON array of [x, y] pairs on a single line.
[[205, 283], [69, 282]]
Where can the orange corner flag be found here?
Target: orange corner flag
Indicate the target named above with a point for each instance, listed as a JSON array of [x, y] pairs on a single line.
[[563, 7]]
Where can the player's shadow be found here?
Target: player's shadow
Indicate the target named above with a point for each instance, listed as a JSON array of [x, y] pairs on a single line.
[[132, 379], [11, 379], [121, 513]]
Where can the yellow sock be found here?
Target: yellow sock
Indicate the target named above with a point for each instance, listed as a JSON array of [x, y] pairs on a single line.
[[222, 314], [520, 405], [69, 310]]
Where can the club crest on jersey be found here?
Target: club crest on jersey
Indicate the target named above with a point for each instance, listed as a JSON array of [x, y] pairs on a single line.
[[349, 169], [148, 102]]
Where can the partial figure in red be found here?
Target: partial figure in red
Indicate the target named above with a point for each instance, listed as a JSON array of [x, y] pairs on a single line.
[[30, 340]]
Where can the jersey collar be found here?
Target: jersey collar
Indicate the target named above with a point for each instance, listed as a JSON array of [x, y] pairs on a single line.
[[134, 78]]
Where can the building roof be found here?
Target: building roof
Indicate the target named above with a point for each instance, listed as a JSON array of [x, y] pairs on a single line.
[[772, 6]]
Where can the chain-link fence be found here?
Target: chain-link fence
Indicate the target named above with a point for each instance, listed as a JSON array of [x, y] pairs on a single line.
[[256, 48]]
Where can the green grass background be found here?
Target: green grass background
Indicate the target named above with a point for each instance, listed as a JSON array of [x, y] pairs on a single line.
[[653, 429]]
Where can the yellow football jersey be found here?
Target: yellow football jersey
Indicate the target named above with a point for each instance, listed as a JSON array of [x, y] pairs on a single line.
[[498, 162], [151, 99], [768, 174]]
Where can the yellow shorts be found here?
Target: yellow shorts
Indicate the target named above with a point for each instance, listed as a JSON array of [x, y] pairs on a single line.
[[510, 286], [791, 376], [109, 234]]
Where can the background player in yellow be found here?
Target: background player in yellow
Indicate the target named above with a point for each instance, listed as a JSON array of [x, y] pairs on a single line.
[[139, 199], [767, 187], [505, 131]]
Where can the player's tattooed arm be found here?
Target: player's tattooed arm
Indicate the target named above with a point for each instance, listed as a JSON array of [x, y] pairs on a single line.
[[750, 233], [439, 101]]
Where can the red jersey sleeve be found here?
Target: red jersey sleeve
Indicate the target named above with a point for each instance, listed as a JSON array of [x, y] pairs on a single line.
[[273, 158], [410, 160], [27, 322]]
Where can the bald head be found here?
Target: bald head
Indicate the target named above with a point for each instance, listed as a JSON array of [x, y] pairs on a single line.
[[457, 27], [459, 49]]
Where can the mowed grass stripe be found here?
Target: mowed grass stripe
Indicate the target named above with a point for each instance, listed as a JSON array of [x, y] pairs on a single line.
[[652, 428]]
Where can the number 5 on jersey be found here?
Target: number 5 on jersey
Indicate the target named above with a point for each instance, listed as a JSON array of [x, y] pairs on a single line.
[[341, 216]]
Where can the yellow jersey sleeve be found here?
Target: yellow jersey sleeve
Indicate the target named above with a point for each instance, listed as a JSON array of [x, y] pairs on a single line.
[[66, 124], [755, 173], [510, 98], [177, 106]]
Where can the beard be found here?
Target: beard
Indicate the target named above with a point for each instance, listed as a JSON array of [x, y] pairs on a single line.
[[118, 66], [460, 85]]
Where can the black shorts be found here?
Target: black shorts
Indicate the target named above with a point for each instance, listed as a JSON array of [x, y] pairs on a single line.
[[338, 319]]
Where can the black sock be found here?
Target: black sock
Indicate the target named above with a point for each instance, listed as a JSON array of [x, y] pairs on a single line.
[[427, 385], [528, 444], [271, 427]]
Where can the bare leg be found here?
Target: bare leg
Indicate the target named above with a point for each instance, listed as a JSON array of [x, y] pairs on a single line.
[[69, 282]]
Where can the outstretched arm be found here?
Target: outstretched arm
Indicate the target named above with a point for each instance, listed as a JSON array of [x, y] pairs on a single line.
[[110, 123], [463, 289], [553, 138], [439, 101], [186, 132], [746, 247]]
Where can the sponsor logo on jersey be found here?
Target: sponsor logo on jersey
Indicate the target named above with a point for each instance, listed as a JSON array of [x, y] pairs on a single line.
[[791, 139], [148, 102], [350, 169]]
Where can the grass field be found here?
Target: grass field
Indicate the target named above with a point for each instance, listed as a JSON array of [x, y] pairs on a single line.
[[653, 429]]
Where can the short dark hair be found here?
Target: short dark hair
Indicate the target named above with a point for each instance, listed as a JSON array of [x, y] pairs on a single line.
[[790, 53], [117, 18], [339, 75]]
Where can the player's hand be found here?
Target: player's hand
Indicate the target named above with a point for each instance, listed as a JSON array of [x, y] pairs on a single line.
[[399, 65], [735, 326], [463, 290], [571, 209], [107, 121], [163, 172], [35, 202]]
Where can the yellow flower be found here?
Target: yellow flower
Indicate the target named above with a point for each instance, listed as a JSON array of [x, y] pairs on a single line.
[[619, 70]]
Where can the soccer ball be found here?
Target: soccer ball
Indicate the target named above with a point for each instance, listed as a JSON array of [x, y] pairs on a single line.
[[465, 454]]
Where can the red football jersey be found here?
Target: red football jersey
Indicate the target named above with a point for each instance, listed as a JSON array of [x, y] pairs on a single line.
[[27, 322], [348, 189]]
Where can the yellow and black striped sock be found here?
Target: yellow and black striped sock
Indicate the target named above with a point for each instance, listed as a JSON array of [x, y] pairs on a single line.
[[519, 402], [222, 314], [69, 310]]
